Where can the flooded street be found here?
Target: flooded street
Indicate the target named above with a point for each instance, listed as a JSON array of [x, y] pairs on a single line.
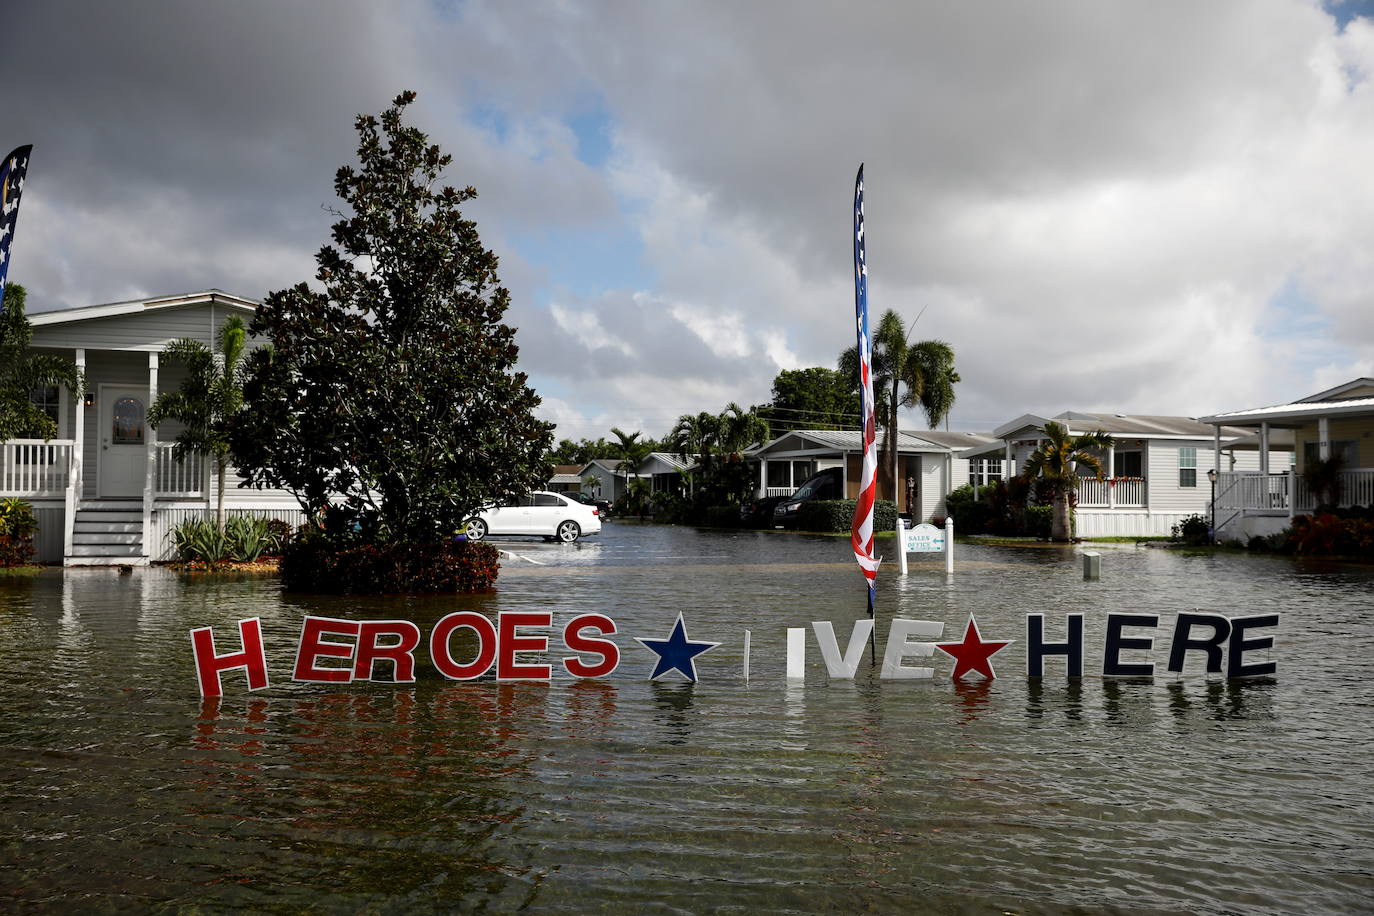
[[122, 788]]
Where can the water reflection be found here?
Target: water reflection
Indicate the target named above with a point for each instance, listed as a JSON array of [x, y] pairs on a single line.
[[123, 789]]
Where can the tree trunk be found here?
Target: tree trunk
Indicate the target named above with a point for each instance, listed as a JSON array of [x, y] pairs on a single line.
[[1059, 527], [219, 499]]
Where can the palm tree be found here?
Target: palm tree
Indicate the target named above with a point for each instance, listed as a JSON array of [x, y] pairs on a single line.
[[22, 371], [632, 453], [1056, 461], [208, 399], [925, 369], [716, 442]]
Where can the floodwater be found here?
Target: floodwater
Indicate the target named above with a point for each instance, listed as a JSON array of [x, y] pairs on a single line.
[[124, 790]]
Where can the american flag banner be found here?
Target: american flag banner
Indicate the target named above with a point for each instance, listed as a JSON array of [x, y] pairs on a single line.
[[12, 172], [862, 531]]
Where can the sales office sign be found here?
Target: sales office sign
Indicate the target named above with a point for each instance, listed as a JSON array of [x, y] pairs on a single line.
[[528, 646]]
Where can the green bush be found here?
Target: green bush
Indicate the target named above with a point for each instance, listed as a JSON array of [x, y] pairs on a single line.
[[838, 515], [972, 515], [1193, 530], [17, 527], [721, 517], [314, 562], [245, 538], [1039, 521]]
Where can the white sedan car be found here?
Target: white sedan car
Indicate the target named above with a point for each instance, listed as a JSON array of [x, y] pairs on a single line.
[[541, 513]]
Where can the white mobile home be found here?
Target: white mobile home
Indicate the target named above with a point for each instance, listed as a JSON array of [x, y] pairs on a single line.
[[929, 464], [1156, 469], [107, 490], [1289, 438]]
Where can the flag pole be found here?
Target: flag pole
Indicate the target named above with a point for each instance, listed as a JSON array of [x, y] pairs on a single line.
[[861, 533]]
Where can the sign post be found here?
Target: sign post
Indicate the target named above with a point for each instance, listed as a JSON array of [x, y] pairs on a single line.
[[925, 538]]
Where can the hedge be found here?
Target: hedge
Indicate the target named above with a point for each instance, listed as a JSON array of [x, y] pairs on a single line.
[[838, 515], [317, 564], [17, 527]]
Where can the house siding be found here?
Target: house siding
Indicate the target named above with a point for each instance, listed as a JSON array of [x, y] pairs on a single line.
[[1361, 429], [1162, 476], [166, 520], [149, 331]]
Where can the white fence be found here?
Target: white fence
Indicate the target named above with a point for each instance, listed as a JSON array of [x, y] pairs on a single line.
[[32, 467], [1238, 490], [1129, 492], [1250, 490], [182, 478]]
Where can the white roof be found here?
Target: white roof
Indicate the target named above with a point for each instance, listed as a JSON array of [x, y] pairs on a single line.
[[1326, 403], [136, 306], [848, 440]]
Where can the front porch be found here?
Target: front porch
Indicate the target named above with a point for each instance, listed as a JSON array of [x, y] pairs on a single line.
[[1286, 493], [80, 524]]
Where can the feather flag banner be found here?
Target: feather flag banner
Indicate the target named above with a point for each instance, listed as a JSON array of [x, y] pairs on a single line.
[[12, 172], [862, 531]]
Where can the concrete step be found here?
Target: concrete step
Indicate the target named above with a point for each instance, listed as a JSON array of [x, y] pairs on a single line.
[[93, 527], [108, 537], [107, 550], [105, 561], [111, 515]]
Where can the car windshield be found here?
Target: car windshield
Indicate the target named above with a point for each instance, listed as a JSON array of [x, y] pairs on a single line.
[[806, 490]]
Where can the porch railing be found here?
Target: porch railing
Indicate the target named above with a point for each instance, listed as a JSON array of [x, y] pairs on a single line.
[[1357, 489], [178, 478], [778, 491], [32, 467], [1121, 492], [1252, 490]]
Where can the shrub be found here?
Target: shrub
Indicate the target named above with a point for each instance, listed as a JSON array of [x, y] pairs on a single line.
[[972, 515], [722, 517], [314, 562], [1348, 534], [245, 538], [1038, 521], [17, 527], [1193, 530], [838, 515]]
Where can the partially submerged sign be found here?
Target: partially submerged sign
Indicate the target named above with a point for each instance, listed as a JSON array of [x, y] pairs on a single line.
[[528, 646], [924, 538]]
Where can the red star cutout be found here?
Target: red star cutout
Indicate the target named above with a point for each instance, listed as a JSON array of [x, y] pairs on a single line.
[[972, 654]]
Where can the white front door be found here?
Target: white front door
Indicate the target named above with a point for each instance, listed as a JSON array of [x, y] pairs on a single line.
[[123, 449]]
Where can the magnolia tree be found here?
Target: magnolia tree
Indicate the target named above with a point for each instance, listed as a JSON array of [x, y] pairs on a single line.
[[393, 389]]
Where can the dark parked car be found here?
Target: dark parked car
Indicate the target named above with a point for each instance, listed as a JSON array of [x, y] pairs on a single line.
[[586, 500], [828, 484]]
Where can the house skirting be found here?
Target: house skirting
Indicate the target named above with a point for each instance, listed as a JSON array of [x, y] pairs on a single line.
[[1242, 525], [1104, 523], [165, 519]]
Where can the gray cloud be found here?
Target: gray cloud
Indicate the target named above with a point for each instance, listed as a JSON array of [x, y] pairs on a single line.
[[1098, 205]]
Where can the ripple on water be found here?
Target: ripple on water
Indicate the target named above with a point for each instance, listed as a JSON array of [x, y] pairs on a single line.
[[122, 788]]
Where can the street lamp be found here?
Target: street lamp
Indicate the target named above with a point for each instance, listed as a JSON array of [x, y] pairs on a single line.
[[1212, 478]]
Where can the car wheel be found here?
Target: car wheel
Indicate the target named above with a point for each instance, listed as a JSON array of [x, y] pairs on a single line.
[[569, 531], [477, 529]]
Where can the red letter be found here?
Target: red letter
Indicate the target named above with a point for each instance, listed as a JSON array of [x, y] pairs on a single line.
[[399, 653], [511, 642], [486, 646], [312, 647], [609, 651], [209, 666]]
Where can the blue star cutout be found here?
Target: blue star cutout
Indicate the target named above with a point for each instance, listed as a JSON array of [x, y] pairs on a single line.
[[677, 651]]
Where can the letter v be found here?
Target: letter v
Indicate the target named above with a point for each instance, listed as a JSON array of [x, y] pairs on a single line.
[[842, 668]]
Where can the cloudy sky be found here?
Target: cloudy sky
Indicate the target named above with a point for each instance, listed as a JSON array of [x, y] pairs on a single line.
[[1135, 207]]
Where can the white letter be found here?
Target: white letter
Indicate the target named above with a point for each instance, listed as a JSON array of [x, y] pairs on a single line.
[[830, 649], [899, 648]]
